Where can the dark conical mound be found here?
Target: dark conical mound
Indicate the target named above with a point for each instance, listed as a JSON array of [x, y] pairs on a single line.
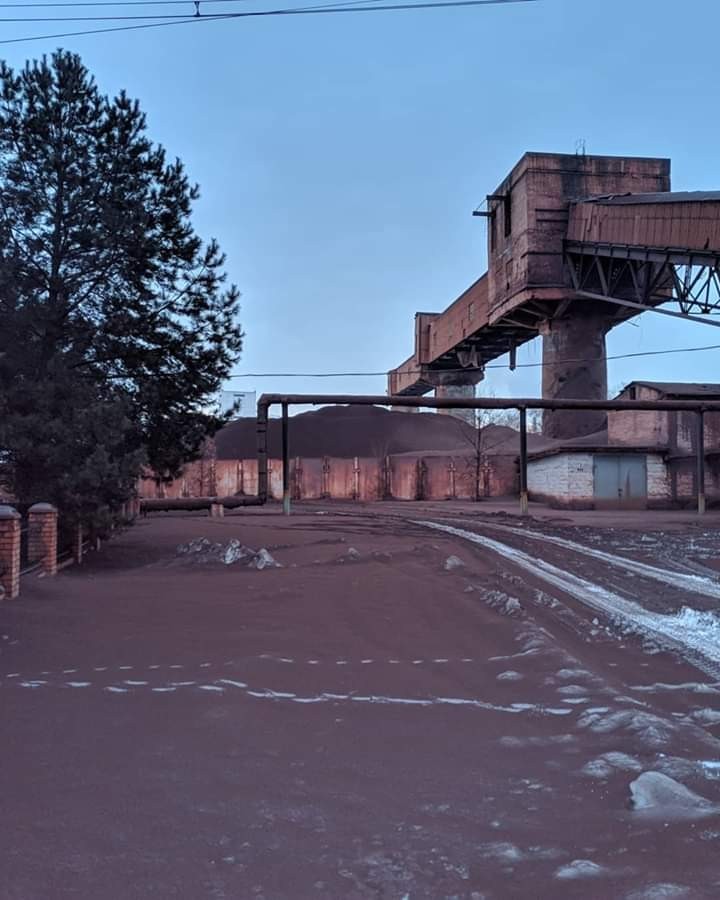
[[347, 431]]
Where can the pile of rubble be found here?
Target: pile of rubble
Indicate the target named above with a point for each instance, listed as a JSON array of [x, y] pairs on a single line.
[[201, 550]]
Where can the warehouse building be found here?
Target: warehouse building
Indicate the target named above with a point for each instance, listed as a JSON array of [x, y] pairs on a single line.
[[645, 458]]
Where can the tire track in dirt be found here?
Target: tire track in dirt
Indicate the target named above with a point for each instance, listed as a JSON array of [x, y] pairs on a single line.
[[694, 634]]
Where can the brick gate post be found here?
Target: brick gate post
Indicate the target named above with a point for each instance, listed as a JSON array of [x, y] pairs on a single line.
[[10, 551], [42, 536]]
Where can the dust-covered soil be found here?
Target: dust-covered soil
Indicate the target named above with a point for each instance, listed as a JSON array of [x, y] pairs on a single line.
[[403, 701]]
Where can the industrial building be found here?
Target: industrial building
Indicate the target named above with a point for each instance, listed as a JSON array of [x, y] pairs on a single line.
[[645, 458]]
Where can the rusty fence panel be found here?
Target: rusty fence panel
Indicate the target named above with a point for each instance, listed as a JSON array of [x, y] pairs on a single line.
[[359, 478]]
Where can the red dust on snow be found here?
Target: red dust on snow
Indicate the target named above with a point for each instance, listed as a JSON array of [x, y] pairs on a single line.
[[394, 713]]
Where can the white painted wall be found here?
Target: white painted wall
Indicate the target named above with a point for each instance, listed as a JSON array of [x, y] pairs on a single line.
[[564, 477], [568, 477]]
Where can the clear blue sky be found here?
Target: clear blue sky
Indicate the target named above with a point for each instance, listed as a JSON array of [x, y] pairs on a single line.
[[340, 157]]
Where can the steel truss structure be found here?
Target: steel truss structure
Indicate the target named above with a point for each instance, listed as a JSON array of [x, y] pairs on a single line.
[[642, 277]]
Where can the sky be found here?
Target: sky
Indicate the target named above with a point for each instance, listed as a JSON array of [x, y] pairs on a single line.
[[340, 157]]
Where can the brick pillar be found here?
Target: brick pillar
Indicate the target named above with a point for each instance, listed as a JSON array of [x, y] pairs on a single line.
[[10, 551], [42, 536]]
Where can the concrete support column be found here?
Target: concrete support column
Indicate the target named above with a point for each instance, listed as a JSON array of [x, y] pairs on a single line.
[[42, 536], [574, 368], [460, 385], [461, 391], [217, 510], [9, 551]]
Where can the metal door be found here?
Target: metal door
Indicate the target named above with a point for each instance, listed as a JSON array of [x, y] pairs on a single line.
[[620, 479]]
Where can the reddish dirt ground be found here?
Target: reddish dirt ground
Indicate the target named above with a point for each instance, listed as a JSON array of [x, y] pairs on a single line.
[[372, 720]]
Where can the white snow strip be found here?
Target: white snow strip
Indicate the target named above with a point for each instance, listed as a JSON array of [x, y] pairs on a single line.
[[237, 684], [102, 668], [286, 659], [205, 665], [156, 666], [366, 662], [29, 684], [78, 684], [394, 662], [135, 683], [690, 686], [211, 687], [163, 690], [69, 671], [341, 662], [696, 633], [116, 690], [182, 683], [176, 666], [698, 584], [13, 675], [441, 660]]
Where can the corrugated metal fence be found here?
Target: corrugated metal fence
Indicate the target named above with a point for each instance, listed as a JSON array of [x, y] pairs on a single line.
[[356, 478]]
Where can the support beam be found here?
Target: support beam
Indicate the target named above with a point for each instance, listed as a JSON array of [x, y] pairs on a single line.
[[286, 460], [523, 463], [700, 477]]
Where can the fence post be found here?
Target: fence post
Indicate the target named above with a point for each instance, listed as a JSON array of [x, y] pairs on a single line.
[[356, 478], [78, 544], [387, 479], [451, 479], [10, 551], [42, 536], [325, 484]]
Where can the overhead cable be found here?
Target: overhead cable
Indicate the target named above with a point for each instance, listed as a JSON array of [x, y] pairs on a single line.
[[295, 11], [537, 365]]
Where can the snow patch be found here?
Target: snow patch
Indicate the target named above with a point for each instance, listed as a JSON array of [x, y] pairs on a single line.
[[580, 868], [655, 795], [695, 632]]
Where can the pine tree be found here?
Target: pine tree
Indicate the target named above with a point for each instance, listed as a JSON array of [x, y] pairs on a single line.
[[117, 327]]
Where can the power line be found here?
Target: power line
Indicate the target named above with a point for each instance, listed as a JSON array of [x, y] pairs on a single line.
[[297, 11], [183, 16], [73, 3], [537, 365]]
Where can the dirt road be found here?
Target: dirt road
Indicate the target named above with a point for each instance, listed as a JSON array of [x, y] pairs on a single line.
[[423, 702]]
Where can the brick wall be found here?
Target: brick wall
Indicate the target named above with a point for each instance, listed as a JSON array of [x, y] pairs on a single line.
[[9, 552], [565, 479], [658, 482]]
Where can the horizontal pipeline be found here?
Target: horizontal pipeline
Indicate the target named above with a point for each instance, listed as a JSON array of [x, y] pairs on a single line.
[[268, 400]]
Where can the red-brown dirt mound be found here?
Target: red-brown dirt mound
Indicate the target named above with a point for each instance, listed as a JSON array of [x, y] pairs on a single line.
[[346, 431]]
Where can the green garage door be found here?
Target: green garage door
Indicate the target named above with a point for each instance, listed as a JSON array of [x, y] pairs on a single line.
[[620, 479]]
